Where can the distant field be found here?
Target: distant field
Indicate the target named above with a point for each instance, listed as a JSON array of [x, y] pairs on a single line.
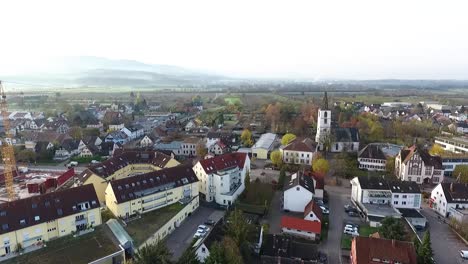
[[232, 100]]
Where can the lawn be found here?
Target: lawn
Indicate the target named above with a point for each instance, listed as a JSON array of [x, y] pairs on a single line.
[[141, 229], [346, 242], [69, 250], [232, 100], [257, 198], [324, 230], [366, 231]]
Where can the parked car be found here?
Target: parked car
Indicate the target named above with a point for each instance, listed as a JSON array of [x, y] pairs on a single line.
[[351, 231], [324, 210], [353, 226], [464, 254], [200, 233], [348, 207], [204, 228], [419, 227], [353, 214], [210, 222], [319, 202]]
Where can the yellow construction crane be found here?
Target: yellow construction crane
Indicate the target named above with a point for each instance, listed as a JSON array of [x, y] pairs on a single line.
[[8, 153]]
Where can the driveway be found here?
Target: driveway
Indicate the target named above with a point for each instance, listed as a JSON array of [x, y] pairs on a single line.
[[445, 243], [337, 198], [181, 238], [274, 213]]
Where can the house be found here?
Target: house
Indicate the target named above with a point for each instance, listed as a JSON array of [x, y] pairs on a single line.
[[134, 132], [37, 124], [372, 158], [35, 220], [123, 164], [66, 150], [450, 162], [286, 249], [405, 194], [413, 164], [313, 212], [20, 115], [147, 141], [301, 228], [265, 144], [218, 148], [299, 151], [59, 125], [366, 250], [454, 144], [88, 151], [114, 119], [189, 146], [373, 197], [222, 177], [190, 125], [43, 146], [174, 147], [298, 192], [224, 136], [94, 123], [132, 196], [447, 196], [117, 136], [460, 127]]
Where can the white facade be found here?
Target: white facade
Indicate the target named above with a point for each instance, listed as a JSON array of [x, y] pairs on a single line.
[[406, 200], [300, 233], [344, 147], [202, 253], [417, 170], [369, 196], [456, 145], [146, 142], [296, 198], [188, 149], [297, 157], [311, 217], [372, 164], [222, 187], [323, 125], [439, 202]]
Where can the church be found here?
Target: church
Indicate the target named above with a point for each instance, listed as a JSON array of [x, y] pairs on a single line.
[[332, 137]]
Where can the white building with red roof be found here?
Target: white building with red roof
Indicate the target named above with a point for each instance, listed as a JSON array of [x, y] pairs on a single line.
[[298, 227], [222, 177]]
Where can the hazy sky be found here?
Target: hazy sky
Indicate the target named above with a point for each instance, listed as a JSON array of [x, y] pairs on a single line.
[[299, 39]]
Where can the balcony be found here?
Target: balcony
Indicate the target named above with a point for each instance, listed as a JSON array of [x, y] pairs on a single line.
[[233, 189]]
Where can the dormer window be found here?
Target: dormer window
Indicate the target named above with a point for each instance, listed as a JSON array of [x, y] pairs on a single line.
[[37, 218], [3, 213], [23, 222], [4, 227]]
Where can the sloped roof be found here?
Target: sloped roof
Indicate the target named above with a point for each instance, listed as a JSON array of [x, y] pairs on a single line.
[[299, 179], [301, 224], [372, 152], [455, 192], [223, 162], [368, 248], [287, 247], [404, 187], [428, 159], [305, 145], [346, 134], [130, 188], [266, 141], [313, 207], [373, 183], [45, 207]]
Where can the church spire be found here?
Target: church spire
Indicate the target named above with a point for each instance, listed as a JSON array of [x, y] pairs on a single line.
[[325, 102]]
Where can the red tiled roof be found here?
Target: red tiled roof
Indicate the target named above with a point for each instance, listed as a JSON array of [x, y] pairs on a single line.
[[223, 162], [313, 207], [368, 248], [305, 145], [301, 224]]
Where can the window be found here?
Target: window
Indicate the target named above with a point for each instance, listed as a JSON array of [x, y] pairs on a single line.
[[22, 222], [37, 218], [297, 188], [395, 202], [404, 203], [3, 213], [404, 196], [396, 196], [418, 179]]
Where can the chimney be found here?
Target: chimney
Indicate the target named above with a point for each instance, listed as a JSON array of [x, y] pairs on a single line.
[[393, 242]]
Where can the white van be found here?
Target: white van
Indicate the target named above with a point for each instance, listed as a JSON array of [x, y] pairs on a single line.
[[464, 254]]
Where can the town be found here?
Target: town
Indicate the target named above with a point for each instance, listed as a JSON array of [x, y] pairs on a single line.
[[234, 177]]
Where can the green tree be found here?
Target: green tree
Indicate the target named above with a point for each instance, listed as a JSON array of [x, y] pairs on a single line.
[[231, 250], [238, 228], [390, 166], [217, 254], [321, 166], [417, 245], [246, 138], [26, 155], [392, 228], [282, 177], [155, 253], [201, 150], [436, 150], [247, 181], [276, 159], [425, 253], [189, 257], [461, 172], [287, 138]]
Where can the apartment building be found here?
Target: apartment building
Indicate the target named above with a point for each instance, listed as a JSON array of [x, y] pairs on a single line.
[[143, 193], [413, 164], [32, 221], [124, 163], [455, 144], [446, 197], [299, 151], [222, 177], [372, 158]]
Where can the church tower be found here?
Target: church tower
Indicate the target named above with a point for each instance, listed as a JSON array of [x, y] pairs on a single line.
[[323, 120]]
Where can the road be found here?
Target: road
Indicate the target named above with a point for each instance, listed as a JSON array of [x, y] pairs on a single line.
[[337, 198], [274, 214], [179, 240], [445, 243]]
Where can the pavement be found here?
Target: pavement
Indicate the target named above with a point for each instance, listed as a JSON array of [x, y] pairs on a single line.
[[52, 168], [338, 196], [274, 214], [181, 238], [445, 243]]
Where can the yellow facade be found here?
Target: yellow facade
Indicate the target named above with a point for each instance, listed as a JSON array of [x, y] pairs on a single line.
[[100, 184], [260, 153], [48, 230], [148, 203]]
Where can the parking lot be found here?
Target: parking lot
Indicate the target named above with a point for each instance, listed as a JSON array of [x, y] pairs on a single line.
[[179, 240]]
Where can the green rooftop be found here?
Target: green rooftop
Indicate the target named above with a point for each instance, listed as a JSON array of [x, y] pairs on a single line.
[[142, 229], [72, 250]]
